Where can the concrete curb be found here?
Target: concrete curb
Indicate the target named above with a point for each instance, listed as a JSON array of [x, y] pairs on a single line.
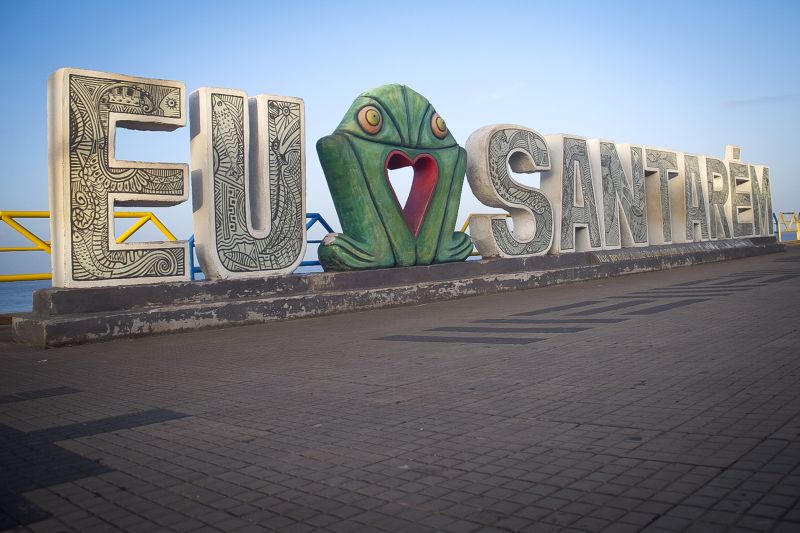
[[74, 316]]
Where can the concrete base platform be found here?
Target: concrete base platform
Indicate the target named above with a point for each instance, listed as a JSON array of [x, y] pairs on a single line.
[[73, 316]]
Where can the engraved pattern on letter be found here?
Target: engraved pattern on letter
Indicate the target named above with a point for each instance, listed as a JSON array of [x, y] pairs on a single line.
[[87, 182]]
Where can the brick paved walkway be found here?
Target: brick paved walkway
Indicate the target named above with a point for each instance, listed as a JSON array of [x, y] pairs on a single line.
[[667, 401]]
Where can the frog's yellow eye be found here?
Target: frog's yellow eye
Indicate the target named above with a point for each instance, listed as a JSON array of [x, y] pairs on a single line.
[[370, 119], [438, 126]]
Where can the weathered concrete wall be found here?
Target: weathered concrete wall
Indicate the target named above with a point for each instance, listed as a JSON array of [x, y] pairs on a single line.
[[72, 316]]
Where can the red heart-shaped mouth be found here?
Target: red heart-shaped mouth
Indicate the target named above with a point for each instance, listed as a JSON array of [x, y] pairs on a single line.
[[426, 175]]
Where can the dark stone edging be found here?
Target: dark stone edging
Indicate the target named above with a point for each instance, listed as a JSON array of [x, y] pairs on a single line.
[[74, 316]]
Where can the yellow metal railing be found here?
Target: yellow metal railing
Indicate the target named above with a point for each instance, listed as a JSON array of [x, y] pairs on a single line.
[[788, 225], [465, 226], [41, 245]]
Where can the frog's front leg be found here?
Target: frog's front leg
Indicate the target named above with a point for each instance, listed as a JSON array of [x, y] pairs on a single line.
[[363, 242], [454, 245], [339, 252]]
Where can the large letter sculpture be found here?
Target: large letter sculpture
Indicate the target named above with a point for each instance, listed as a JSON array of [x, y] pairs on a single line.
[[695, 226], [661, 166], [762, 200], [622, 184], [741, 200], [240, 148], [718, 198], [569, 186], [490, 152], [86, 180], [388, 128]]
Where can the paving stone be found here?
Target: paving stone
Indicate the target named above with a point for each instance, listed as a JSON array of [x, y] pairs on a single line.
[[658, 422], [671, 523]]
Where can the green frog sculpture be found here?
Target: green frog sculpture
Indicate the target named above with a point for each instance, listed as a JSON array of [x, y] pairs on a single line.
[[387, 128]]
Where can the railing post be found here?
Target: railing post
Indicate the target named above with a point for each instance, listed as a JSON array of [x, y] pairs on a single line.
[[192, 266]]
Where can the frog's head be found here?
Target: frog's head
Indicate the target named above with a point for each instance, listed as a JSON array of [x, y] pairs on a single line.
[[396, 115]]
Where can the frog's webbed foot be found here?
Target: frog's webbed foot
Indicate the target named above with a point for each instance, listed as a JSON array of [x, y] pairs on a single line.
[[454, 247], [339, 252]]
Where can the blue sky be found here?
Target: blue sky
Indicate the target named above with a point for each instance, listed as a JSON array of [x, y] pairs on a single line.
[[689, 76]]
